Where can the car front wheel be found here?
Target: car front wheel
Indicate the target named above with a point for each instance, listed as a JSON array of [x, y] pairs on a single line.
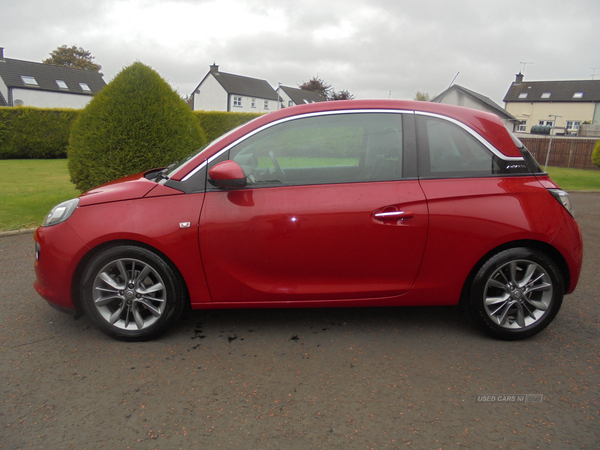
[[516, 294], [131, 293]]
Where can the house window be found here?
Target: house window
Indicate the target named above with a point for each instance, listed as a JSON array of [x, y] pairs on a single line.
[[85, 87], [290, 103], [546, 95], [61, 84], [237, 101], [254, 103], [266, 105], [546, 123], [573, 124], [522, 127], [523, 94], [30, 81], [578, 95]]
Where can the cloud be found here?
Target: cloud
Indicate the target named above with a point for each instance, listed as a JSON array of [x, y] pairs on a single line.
[[369, 47]]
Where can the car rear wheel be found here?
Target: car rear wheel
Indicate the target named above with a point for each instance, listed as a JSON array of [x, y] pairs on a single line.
[[516, 294], [131, 293]]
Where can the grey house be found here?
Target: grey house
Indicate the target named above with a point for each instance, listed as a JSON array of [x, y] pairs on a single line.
[[220, 91], [461, 96], [25, 83], [290, 96]]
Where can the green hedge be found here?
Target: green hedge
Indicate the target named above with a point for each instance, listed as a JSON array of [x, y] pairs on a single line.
[[35, 133], [596, 154], [43, 133], [216, 123]]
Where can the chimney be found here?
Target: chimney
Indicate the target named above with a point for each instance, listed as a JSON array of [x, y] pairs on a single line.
[[519, 78], [2, 54], [214, 69]]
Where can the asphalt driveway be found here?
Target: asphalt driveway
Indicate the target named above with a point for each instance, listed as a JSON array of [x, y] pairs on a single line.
[[299, 379]]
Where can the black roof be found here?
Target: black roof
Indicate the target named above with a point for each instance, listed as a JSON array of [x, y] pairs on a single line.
[[481, 98], [299, 96], [249, 87], [582, 91], [46, 76]]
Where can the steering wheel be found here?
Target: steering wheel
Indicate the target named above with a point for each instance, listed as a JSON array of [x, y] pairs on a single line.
[[278, 168]]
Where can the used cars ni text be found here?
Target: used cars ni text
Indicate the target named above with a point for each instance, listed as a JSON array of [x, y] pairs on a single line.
[[347, 203]]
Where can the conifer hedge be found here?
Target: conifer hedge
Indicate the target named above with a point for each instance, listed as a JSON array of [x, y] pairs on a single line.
[[35, 133], [134, 123], [216, 123]]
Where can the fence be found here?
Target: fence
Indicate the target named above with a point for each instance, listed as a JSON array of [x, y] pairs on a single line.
[[574, 153]]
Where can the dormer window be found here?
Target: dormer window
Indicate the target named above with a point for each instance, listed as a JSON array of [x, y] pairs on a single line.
[[85, 87], [61, 84], [546, 95], [578, 95], [523, 94], [29, 81]]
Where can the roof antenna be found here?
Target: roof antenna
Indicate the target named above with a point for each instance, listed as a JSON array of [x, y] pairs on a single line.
[[454, 79], [594, 71], [524, 64]]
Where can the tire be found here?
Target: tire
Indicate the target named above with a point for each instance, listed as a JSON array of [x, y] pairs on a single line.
[[131, 293], [516, 294]]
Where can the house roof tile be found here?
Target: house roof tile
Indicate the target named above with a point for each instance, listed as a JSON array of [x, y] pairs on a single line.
[[46, 76], [249, 87], [299, 96], [560, 91]]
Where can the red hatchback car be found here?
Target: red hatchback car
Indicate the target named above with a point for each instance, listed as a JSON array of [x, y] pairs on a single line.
[[346, 203]]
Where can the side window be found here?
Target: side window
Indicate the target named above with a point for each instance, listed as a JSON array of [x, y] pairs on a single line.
[[332, 148], [447, 150]]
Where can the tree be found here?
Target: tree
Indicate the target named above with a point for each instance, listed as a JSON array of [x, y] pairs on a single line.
[[318, 86], [342, 95], [75, 57], [325, 90], [135, 123], [422, 96], [596, 154]]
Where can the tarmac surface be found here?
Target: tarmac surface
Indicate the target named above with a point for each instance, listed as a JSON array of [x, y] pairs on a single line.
[[368, 378]]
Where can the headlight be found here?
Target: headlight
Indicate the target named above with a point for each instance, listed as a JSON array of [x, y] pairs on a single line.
[[564, 199], [61, 212]]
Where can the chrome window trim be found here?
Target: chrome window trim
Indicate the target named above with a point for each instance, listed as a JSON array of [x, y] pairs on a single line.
[[469, 130], [473, 133]]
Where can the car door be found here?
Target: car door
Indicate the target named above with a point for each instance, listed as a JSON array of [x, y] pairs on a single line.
[[327, 214]]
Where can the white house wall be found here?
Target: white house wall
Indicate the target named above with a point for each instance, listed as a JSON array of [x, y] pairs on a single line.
[[246, 104], [45, 99], [285, 99], [212, 96]]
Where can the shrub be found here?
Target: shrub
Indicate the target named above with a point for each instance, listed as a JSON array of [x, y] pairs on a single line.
[[596, 154], [35, 133], [134, 123], [216, 123]]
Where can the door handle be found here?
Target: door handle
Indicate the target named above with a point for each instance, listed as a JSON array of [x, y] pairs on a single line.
[[392, 217]]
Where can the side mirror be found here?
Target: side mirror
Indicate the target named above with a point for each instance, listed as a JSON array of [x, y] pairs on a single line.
[[227, 174]]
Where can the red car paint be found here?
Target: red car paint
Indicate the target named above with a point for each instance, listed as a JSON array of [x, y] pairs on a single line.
[[412, 241]]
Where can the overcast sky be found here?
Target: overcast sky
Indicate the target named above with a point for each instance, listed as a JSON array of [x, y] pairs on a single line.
[[372, 48]]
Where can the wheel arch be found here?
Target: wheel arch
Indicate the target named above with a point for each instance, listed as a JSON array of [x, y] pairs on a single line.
[[543, 247], [77, 279]]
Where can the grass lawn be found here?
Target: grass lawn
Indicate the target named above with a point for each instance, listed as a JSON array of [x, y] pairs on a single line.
[[575, 179], [29, 188]]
